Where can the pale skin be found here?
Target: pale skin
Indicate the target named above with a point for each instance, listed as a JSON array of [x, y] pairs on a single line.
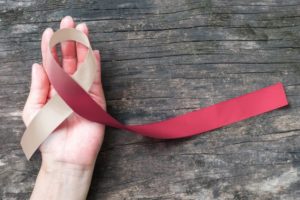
[[70, 152]]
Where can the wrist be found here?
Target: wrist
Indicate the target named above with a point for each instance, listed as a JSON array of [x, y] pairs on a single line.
[[62, 181], [53, 166]]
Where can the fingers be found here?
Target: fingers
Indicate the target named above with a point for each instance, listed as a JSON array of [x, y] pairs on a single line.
[[68, 49], [44, 45], [73, 53], [47, 34], [96, 89], [81, 49], [38, 95]]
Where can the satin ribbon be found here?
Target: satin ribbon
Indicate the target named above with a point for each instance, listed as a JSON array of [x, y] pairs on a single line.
[[72, 96]]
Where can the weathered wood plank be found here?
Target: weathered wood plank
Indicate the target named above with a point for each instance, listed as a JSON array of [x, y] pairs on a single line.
[[160, 59]]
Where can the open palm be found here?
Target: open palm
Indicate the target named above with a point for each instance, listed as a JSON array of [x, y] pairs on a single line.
[[77, 140]]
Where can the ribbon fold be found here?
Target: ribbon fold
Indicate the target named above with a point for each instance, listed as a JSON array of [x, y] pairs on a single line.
[[72, 96]]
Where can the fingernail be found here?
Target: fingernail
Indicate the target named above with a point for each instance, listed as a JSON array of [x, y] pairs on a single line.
[[81, 26], [97, 54], [67, 18], [67, 21], [34, 69], [48, 30]]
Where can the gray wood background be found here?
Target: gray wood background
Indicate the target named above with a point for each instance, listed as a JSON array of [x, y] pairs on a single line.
[[162, 58]]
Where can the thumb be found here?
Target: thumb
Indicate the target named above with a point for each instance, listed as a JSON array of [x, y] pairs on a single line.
[[38, 94]]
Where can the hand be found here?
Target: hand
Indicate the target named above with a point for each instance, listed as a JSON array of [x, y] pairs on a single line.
[[76, 142]]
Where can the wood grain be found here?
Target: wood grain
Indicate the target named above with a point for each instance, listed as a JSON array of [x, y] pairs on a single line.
[[162, 58]]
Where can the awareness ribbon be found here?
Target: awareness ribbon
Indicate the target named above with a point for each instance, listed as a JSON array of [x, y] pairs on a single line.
[[72, 97]]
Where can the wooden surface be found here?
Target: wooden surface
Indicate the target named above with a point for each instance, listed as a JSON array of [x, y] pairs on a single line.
[[160, 59]]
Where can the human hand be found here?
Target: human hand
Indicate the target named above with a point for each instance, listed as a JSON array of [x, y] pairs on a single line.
[[74, 145]]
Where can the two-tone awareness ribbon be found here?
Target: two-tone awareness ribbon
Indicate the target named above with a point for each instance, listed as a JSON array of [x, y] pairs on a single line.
[[72, 96]]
